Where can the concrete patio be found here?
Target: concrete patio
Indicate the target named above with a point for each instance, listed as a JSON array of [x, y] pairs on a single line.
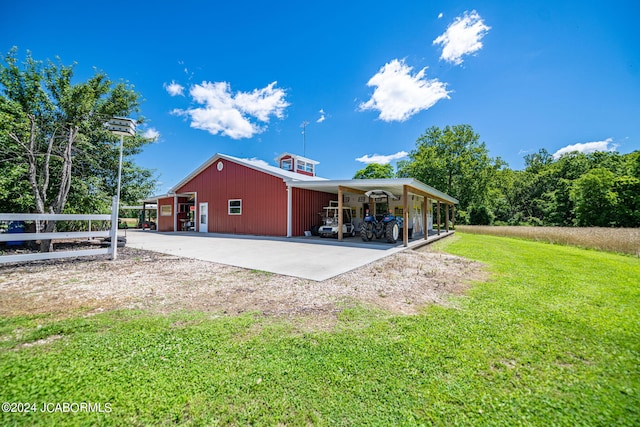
[[304, 257]]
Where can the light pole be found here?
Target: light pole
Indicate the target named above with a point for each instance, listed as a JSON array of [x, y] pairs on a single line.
[[124, 127], [304, 137]]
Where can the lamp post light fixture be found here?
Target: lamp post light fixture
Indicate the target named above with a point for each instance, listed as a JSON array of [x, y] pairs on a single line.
[[121, 126]]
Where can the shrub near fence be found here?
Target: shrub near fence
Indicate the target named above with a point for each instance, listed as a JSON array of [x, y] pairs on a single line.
[[624, 240]]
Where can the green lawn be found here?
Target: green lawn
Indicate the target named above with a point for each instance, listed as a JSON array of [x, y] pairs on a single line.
[[552, 339]]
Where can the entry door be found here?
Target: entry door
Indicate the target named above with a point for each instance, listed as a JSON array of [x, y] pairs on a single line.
[[203, 222]]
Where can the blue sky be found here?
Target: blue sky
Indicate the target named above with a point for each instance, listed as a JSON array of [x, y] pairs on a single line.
[[369, 77]]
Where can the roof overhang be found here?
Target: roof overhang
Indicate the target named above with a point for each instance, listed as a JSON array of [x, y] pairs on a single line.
[[154, 199], [361, 186]]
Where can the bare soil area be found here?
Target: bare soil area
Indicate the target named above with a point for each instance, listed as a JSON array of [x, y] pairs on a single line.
[[402, 283]]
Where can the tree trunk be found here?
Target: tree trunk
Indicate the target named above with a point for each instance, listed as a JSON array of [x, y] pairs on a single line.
[[47, 245]]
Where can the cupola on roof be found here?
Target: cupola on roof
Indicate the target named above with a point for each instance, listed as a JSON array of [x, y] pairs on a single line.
[[298, 164]]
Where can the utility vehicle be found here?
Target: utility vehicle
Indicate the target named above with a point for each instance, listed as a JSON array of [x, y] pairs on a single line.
[[380, 226], [329, 227]]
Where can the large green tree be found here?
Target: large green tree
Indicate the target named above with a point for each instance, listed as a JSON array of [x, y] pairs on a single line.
[[375, 170], [594, 199], [53, 142], [453, 160], [627, 203]]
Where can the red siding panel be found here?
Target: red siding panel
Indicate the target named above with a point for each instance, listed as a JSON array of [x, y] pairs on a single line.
[[165, 223], [264, 199], [306, 206], [304, 172]]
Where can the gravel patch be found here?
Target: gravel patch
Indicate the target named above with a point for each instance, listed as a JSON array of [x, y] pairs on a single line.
[[402, 283]]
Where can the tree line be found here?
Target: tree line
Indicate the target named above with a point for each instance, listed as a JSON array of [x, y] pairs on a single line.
[[576, 189]]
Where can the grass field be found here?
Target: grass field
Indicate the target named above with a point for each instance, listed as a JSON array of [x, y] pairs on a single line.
[[623, 240], [552, 339]]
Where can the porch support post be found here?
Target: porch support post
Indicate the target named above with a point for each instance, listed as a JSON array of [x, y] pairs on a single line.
[[340, 219], [438, 217], [453, 216], [446, 217], [425, 226], [405, 216], [175, 212], [195, 212], [289, 211]]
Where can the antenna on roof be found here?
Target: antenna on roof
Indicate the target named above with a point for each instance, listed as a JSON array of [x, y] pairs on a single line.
[[304, 137]]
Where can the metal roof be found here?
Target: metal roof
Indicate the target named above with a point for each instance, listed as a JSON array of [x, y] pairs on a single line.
[[256, 164], [393, 185], [297, 180]]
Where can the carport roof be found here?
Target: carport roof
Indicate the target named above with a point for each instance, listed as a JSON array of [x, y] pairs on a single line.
[[393, 185]]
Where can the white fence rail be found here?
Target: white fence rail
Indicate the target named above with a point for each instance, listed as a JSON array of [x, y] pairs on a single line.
[[12, 237]]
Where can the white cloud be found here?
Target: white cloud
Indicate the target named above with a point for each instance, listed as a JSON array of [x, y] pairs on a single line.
[[399, 94], [323, 116], [231, 114], [174, 89], [152, 134], [262, 103], [462, 37], [380, 159], [587, 147], [440, 15]]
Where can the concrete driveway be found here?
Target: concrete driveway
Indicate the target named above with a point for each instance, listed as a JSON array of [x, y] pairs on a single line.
[[307, 258]]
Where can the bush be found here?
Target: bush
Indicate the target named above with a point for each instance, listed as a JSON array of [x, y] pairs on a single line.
[[480, 215], [462, 217]]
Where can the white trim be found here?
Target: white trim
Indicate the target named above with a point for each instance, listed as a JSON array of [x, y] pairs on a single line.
[[196, 219], [202, 229], [175, 213], [229, 207], [304, 166], [289, 210]]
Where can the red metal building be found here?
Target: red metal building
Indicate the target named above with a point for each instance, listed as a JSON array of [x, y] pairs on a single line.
[[244, 196], [248, 196]]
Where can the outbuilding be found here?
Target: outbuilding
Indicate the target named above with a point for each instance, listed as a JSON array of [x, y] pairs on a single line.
[[231, 195]]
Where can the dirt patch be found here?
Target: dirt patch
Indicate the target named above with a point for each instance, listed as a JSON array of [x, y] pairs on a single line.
[[402, 283]]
